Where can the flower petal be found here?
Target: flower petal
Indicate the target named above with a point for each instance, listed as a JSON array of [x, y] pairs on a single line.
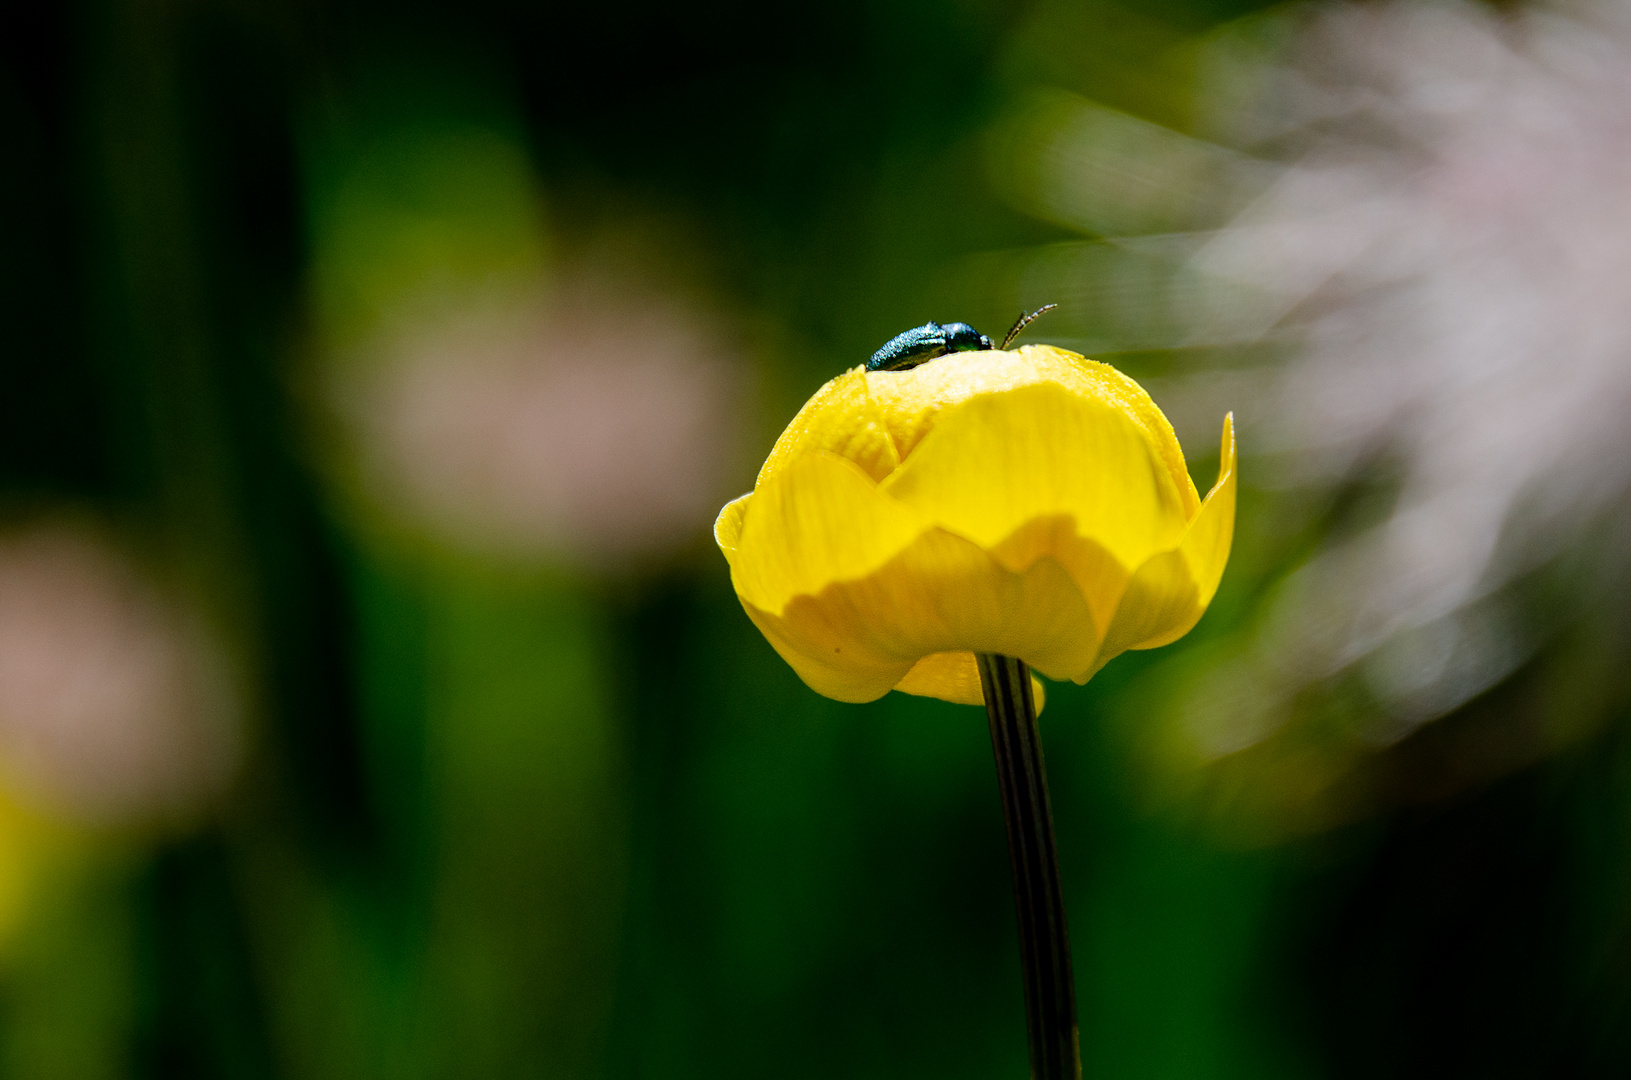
[[955, 677], [1160, 605], [1040, 470], [843, 419], [949, 676], [1169, 593], [829, 663], [1212, 533], [912, 401], [856, 639], [728, 525], [818, 520], [1098, 574]]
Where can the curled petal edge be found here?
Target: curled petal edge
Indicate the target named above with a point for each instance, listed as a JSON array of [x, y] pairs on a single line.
[[1170, 591], [728, 526]]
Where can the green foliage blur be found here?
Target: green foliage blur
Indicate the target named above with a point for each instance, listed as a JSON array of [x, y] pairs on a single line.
[[503, 807]]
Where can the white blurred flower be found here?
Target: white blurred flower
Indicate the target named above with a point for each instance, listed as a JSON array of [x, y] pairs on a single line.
[[1452, 253], [114, 705], [490, 395], [594, 424], [1425, 208]]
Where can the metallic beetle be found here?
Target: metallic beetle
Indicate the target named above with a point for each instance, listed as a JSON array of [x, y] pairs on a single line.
[[912, 347]]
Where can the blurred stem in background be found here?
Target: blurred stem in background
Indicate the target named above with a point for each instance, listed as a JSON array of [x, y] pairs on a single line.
[[487, 743], [486, 940], [124, 324]]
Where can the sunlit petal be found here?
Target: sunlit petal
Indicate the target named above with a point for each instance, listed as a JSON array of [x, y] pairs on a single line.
[[1170, 592], [842, 419], [818, 521], [728, 525], [914, 401], [995, 464], [955, 677]]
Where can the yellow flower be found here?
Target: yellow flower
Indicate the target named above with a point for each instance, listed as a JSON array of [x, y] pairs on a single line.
[[1032, 503]]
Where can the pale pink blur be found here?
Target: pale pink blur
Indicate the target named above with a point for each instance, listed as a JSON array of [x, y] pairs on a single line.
[[114, 705], [594, 424]]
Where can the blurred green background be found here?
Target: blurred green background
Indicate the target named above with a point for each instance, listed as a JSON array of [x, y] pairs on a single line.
[[383, 366]]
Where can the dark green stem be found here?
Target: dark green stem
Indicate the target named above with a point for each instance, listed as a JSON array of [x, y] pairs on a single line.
[[1044, 943]]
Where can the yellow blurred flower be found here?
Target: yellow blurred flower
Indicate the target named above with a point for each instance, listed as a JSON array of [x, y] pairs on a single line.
[[1031, 503]]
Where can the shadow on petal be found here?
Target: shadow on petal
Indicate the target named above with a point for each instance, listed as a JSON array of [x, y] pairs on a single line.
[[855, 640]]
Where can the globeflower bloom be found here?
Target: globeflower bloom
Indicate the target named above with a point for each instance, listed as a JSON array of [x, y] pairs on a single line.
[[1032, 504]]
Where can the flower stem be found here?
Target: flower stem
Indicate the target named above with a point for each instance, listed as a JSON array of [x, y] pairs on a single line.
[[1044, 943]]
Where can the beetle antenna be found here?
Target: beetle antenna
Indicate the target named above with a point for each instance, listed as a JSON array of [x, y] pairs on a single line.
[[1024, 321]]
